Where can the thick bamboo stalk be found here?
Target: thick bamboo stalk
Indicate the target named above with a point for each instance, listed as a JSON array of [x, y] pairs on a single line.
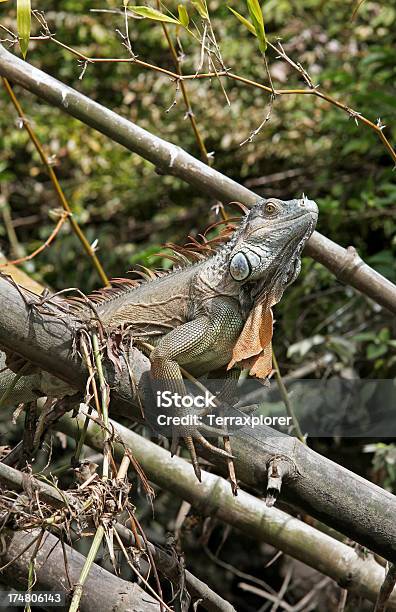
[[102, 592], [312, 483], [247, 513], [171, 159], [166, 564]]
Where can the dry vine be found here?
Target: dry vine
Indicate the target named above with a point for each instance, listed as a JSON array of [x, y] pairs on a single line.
[[210, 50]]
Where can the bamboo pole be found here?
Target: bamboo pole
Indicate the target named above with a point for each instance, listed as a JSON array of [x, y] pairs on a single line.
[[168, 158]]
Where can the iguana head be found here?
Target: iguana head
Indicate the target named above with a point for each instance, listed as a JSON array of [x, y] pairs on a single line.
[[270, 241], [263, 259]]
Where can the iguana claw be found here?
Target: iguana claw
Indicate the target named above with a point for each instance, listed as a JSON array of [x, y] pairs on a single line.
[[214, 449], [189, 442], [194, 459], [191, 449]]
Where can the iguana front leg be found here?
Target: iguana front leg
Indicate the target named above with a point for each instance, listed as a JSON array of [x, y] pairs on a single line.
[[179, 347]]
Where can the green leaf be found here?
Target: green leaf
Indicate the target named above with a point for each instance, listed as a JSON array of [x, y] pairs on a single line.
[[201, 7], [364, 337], [151, 13], [183, 15], [374, 351], [255, 10], [256, 15], [23, 24], [384, 334], [244, 21]]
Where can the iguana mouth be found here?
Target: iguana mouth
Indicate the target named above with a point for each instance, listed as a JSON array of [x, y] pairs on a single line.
[[291, 270], [286, 221], [266, 285], [301, 243], [282, 275]]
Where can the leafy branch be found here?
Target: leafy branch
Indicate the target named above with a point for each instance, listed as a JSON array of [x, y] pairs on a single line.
[[184, 20], [212, 50]]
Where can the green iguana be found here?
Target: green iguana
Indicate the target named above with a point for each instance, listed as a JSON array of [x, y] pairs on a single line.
[[214, 314]]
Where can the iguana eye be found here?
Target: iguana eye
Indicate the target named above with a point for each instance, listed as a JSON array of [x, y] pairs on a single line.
[[240, 267], [270, 208]]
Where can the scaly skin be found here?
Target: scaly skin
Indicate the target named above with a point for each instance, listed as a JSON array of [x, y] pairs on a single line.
[[194, 316]]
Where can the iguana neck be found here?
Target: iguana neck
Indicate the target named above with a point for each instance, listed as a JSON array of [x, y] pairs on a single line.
[[212, 278]]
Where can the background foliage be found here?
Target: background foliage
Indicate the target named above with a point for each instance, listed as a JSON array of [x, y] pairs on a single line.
[[306, 146]]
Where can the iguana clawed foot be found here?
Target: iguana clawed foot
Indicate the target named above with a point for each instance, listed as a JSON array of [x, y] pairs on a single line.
[[189, 442], [189, 435]]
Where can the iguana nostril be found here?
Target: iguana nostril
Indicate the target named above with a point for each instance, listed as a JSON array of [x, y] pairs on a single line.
[[308, 205]]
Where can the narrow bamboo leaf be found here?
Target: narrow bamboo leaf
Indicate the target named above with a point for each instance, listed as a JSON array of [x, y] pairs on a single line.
[[255, 10], [183, 15], [3, 0], [244, 21], [23, 24], [200, 6], [151, 13], [256, 15]]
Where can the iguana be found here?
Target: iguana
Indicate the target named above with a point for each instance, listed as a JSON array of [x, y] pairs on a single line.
[[210, 316], [217, 313]]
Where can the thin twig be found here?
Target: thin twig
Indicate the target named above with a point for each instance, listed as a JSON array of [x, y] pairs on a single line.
[[265, 595], [283, 589], [311, 91], [3, 567], [104, 403], [138, 574], [46, 244], [286, 399], [386, 589], [100, 531], [356, 9], [61, 196], [91, 371], [262, 124], [96, 542], [31, 567], [186, 98]]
